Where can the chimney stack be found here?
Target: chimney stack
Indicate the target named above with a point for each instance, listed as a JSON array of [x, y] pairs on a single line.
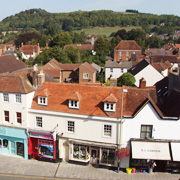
[[142, 83], [41, 78]]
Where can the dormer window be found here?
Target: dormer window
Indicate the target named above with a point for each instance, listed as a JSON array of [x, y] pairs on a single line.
[[109, 106], [42, 100], [74, 104]]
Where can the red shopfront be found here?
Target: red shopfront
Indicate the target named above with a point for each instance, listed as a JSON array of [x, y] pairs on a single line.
[[43, 146]]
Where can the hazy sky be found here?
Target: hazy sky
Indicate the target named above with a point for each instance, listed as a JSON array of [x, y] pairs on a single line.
[[11, 7]]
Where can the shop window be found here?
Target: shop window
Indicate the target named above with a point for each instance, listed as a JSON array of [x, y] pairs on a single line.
[[71, 126], [85, 76], [108, 156], [5, 143], [6, 116], [39, 122], [19, 117], [80, 152], [42, 100], [146, 131], [46, 149], [73, 104], [18, 98], [6, 97], [107, 130], [109, 106], [0, 143]]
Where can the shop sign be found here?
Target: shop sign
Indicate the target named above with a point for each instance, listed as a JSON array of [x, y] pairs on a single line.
[[40, 136], [2, 130]]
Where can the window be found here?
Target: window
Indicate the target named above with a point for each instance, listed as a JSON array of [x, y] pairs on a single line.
[[107, 130], [70, 126], [5, 143], [73, 104], [6, 116], [127, 53], [111, 69], [18, 98], [108, 156], [38, 121], [42, 100], [85, 76], [19, 118], [6, 97], [120, 53], [134, 52], [109, 106], [80, 152], [146, 131], [122, 70]]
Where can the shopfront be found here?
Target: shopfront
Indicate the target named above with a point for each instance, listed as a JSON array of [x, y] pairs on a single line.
[[13, 141], [93, 153], [144, 151], [43, 146]]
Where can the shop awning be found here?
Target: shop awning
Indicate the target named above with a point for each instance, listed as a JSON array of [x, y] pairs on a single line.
[[150, 150], [175, 149]]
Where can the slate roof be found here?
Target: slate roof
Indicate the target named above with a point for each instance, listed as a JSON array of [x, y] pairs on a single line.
[[158, 51], [92, 97], [112, 64], [171, 105], [137, 68], [128, 45], [9, 63], [14, 84]]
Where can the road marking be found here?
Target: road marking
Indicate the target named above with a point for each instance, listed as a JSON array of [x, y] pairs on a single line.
[[33, 177]]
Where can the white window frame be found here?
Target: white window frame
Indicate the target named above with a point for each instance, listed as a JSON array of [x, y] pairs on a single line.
[[73, 104], [36, 122], [42, 100], [109, 106], [127, 53], [111, 70], [85, 75], [5, 97], [107, 127], [120, 53], [69, 126], [18, 98]]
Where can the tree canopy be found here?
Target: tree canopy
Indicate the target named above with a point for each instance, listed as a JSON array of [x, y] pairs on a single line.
[[126, 79]]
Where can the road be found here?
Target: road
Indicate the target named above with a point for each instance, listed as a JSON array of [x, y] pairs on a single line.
[[20, 177]]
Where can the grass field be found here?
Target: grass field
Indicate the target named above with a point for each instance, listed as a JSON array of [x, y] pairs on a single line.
[[106, 30]]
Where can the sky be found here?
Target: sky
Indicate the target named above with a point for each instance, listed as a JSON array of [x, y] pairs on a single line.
[[12, 7]]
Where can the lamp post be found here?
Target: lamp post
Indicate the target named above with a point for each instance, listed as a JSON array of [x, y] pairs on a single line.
[[121, 125]]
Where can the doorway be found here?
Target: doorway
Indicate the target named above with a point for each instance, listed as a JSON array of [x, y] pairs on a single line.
[[94, 156]]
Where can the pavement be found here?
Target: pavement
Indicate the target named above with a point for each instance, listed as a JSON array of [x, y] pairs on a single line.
[[19, 166]]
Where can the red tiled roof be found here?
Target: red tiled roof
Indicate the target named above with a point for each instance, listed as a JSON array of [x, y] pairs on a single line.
[[69, 67], [128, 45], [12, 84], [75, 96], [92, 99], [53, 72], [111, 98], [177, 45], [89, 66], [29, 49]]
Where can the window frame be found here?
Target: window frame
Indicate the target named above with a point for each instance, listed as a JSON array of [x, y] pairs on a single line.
[[127, 53], [84, 75], [42, 100], [18, 98], [108, 107], [36, 123], [120, 53], [17, 117], [105, 127], [70, 126], [146, 131], [6, 116], [73, 104], [4, 97], [111, 70]]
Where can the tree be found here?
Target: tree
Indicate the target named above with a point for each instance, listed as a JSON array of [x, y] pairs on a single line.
[[126, 79]]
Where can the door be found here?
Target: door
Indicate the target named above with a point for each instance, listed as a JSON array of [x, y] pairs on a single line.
[[20, 149], [94, 156], [35, 147]]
